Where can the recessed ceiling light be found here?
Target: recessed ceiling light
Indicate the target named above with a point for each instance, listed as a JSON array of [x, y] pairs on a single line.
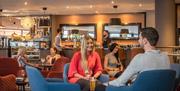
[[25, 3], [140, 5], [125, 23], [97, 12], [112, 2], [91, 6], [67, 7]]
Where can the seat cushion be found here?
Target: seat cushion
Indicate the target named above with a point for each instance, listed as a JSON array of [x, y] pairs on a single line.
[[8, 83]]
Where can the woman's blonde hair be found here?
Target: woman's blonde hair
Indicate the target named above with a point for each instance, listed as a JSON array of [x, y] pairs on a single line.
[[84, 62], [21, 50]]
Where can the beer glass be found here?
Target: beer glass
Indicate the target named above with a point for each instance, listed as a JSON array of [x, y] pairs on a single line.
[[92, 84]]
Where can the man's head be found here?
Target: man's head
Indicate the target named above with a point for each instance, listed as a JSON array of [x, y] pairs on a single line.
[[148, 36], [106, 34], [59, 30]]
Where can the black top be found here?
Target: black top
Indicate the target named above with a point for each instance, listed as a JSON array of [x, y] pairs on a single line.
[[106, 42]]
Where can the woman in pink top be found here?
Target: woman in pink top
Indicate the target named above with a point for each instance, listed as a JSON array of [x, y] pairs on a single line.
[[84, 65]]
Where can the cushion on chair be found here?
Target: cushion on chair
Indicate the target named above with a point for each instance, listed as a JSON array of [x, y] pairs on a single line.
[[8, 83]]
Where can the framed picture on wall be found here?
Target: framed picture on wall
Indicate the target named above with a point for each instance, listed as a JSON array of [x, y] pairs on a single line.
[[44, 23]]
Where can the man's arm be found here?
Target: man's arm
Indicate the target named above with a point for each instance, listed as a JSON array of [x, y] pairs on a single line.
[[130, 71]]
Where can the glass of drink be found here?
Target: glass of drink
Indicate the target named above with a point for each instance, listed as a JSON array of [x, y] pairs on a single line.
[[92, 84], [43, 60]]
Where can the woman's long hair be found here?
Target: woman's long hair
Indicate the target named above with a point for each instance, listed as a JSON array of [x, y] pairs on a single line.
[[111, 48], [84, 62]]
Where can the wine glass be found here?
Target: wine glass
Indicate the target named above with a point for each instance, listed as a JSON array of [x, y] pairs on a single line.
[[43, 60]]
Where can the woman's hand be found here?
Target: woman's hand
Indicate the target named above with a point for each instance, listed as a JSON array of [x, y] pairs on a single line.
[[87, 77], [115, 69], [48, 58]]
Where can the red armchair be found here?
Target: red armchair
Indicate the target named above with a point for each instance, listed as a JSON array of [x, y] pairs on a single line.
[[57, 69], [9, 66], [8, 83]]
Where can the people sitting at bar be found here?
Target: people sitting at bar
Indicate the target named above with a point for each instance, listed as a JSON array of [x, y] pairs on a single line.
[[53, 56], [106, 39], [112, 62], [151, 59], [84, 65]]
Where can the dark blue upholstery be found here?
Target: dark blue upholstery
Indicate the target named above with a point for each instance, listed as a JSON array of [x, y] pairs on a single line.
[[38, 83], [65, 72], [103, 77], [54, 80], [176, 67], [154, 80]]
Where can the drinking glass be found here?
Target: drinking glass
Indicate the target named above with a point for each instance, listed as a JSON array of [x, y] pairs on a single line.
[[43, 60], [92, 84]]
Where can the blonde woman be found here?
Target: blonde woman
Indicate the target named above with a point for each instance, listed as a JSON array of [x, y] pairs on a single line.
[[84, 65], [22, 58]]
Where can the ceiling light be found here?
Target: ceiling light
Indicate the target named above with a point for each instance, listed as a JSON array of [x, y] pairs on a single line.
[[44, 8], [25, 3], [115, 21], [27, 22], [140, 5], [97, 12], [67, 7], [112, 2], [91, 6], [125, 23]]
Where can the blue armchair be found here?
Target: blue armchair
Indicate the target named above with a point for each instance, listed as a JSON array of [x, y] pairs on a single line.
[[38, 83], [176, 67], [154, 80], [103, 77]]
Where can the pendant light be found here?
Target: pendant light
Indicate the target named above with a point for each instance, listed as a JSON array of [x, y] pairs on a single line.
[[115, 21]]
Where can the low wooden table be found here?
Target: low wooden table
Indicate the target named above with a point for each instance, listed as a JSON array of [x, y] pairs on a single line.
[[45, 66], [21, 85]]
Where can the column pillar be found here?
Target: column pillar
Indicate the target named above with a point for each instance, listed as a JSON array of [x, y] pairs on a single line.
[[165, 22]]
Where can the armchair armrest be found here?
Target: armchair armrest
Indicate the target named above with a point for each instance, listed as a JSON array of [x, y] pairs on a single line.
[[63, 87], [104, 78], [113, 88]]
